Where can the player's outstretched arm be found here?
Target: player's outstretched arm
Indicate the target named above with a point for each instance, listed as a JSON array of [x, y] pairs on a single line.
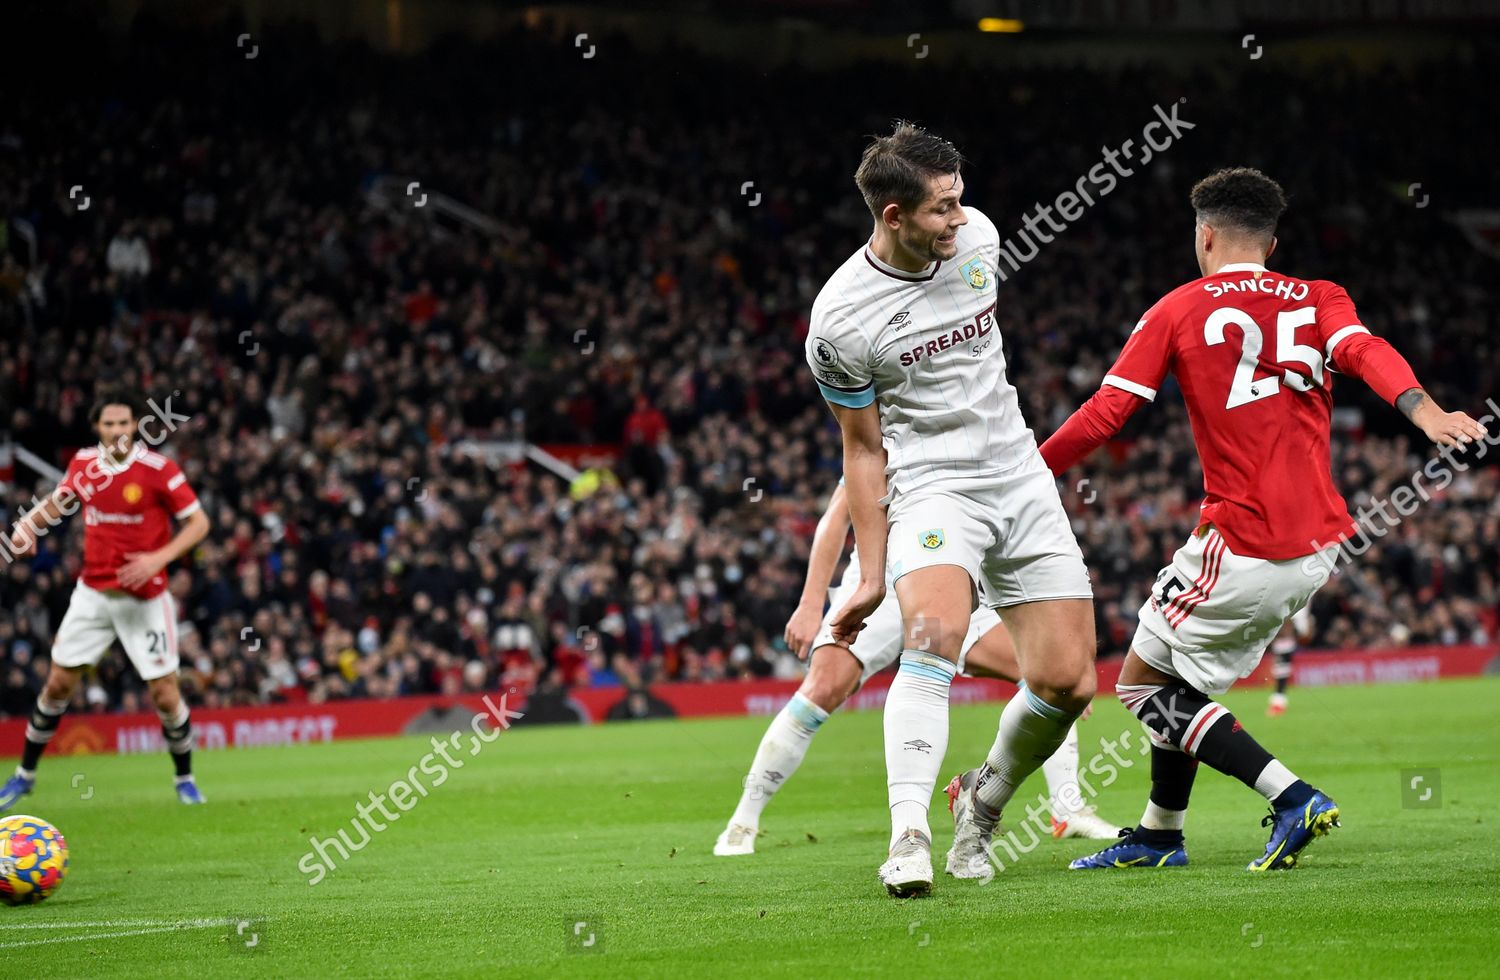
[[1443, 428], [827, 548], [1132, 381], [140, 567], [1094, 424], [864, 482], [1379, 365]]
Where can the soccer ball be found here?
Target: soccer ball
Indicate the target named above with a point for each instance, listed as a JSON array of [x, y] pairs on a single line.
[[33, 859]]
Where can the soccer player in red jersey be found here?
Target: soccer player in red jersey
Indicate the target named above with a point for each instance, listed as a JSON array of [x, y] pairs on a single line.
[[1252, 351], [130, 497]]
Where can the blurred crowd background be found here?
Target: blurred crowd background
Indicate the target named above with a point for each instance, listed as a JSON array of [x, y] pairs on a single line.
[[338, 357]]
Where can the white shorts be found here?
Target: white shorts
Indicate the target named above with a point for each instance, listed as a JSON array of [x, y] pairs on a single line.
[[879, 644], [1212, 613], [146, 628], [1011, 535]]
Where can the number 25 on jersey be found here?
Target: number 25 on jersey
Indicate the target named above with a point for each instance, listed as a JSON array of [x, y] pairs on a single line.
[[1246, 387]]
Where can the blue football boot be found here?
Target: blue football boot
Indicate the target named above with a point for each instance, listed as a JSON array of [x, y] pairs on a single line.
[[15, 787], [188, 792], [1292, 829], [1133, 853]]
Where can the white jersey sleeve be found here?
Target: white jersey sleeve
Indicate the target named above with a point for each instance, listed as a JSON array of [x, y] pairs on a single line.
[[839, 353]]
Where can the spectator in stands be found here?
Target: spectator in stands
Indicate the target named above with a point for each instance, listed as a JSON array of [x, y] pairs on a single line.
[[356, 375]]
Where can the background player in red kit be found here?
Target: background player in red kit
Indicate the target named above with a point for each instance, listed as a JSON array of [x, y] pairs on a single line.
[[130, 497], [1251, 350]]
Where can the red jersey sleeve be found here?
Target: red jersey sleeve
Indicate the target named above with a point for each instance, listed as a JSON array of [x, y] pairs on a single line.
[[1087, 429], [177, 497], [1353, 350], [1136, 374], [77, 483], [77, 468], [1146, 358], [1337, 319]]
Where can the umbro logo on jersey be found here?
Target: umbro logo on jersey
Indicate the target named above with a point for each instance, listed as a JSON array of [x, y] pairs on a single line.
[[777, 777], [918, 745], [899, 320]]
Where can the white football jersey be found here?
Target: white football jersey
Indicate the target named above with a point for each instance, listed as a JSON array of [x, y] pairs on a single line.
[[924, 346]]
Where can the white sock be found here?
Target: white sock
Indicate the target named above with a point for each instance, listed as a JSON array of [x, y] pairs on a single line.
[[1061, 771], [1030, 731], [1274, 779], [781, 751], [916, 737], [1160, 818]]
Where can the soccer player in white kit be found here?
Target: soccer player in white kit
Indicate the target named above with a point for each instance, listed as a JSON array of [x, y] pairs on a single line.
[[944, 479], [836, 671]]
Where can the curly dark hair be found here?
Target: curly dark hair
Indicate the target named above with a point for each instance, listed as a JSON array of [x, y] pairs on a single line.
[[116, 395], [1241, 198], [897, 167]]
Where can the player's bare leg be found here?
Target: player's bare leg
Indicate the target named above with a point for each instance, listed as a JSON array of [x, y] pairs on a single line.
[[62, 682], [1187, 727], [177, 730], [936, 603], [831, 678], [994, 655]]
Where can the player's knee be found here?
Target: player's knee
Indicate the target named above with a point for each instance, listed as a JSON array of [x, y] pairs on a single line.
[[1065, 682], [1086, 687], [833, 676], [936, 634], [1175, 714], [165, 694], [1071, 695], [61, 683]]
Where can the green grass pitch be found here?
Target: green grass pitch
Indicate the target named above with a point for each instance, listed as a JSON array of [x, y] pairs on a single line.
[[613, 827]]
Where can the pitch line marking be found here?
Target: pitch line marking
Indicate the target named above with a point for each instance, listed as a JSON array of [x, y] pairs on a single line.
[[126, 929]]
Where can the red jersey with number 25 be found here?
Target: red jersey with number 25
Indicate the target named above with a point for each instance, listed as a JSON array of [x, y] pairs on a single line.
[[1252, 352], [128, 507]]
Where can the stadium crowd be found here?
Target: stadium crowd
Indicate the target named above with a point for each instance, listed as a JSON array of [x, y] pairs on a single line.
[[352, 371]]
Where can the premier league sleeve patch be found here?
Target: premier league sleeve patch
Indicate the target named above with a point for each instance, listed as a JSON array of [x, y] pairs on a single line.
[[841, 380]]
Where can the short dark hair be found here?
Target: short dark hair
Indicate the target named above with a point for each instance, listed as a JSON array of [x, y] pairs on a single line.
[[116, 395], [897, 167], [1240, 198]]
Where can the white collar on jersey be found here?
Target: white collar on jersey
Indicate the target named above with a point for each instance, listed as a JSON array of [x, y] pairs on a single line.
[[107, 461], [1241, 267]]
